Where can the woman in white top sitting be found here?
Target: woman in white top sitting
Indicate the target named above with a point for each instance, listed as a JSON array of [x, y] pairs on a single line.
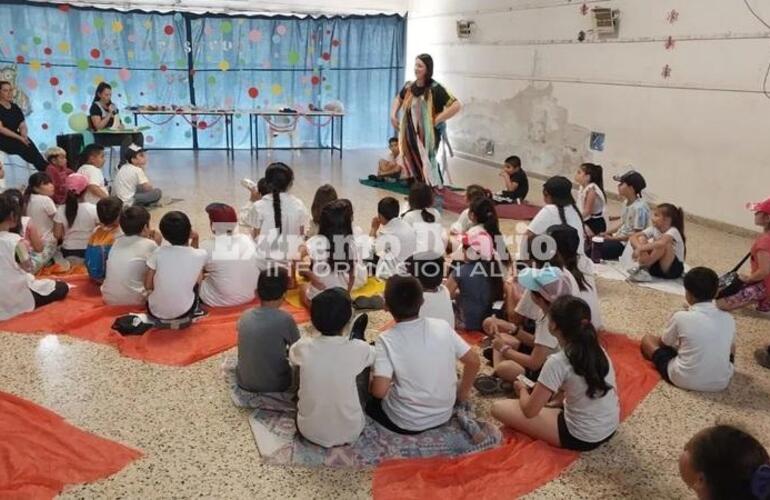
[[431, 238], [591, 199], [583, 372]]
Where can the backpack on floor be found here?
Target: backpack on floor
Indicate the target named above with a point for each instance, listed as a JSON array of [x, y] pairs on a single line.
[[97, 251]]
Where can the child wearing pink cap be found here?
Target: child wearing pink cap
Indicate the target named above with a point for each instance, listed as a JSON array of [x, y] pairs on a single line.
[[76, 219], [756, 285]]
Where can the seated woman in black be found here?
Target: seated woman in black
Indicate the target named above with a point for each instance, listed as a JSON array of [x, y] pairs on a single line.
[[13, 130], [104, 115]]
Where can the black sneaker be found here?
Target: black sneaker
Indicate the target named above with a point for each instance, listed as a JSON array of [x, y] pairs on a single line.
[[358, 330]]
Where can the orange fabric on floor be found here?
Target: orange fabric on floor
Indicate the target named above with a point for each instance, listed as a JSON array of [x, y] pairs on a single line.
[[40, 453], [83, 315], [522, 464]]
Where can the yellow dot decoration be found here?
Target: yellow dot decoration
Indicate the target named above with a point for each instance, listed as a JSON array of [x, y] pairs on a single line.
[[64, 47], [34, 65], [224, 65]]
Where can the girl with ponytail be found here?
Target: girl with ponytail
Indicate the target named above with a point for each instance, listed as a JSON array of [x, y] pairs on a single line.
[[591, 199], [278, 219], [559, 208], [582, 370], [426, 221], [660, 250], [76, 219], [463, 222]]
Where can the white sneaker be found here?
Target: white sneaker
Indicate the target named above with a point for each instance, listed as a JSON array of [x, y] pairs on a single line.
[[640, 276], [249, 184]]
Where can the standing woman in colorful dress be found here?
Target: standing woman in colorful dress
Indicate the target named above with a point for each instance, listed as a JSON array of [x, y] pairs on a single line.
[[424, 106]]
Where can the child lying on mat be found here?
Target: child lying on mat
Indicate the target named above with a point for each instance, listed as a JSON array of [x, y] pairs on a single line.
[[583, 372], [726, 462], [20, 291], [697, 348], [174, 272], [264, 336], [518, 352], [329, 409], [127, 262], [659, 251], [414, 384]]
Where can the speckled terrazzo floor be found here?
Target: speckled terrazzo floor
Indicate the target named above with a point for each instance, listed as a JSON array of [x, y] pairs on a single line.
[[197, 444]]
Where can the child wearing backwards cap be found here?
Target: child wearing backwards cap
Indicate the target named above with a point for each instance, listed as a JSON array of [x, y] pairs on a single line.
[[634, 218], [756, 289], [131, 183], [329, 411], [582, 371], [230, 274], [58, 171], [76, 219], [521, 352]]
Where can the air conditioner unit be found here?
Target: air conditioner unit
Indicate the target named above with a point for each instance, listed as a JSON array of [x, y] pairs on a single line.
[[465, 29], [605, 20]]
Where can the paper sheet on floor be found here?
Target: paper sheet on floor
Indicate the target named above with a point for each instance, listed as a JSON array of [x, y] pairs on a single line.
[[40, 453], [613, 270], [522, 464], [83, 315]]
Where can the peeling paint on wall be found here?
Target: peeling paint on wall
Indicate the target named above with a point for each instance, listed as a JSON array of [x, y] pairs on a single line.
[[531, 125]]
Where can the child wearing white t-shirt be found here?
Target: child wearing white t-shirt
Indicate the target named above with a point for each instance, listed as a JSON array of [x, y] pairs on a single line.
[[391, 165], [394, 239], [92, 161], [591, 199], [131, 184], [414, 384], [559, 209], [41, 208], [517, 352], [659, 251], [175, 271], [583, 372], [431, 239], [76, 219], [231, 273], [127, 262], [329, 411], [463, 222], [437, 303], [697, 347]]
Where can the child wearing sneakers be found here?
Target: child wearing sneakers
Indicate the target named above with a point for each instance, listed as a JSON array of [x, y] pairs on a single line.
[[329, 411], [101, 240], [696, 349], [634, 218], [175, 271], [414, 384], [127, 263], [264, 336]]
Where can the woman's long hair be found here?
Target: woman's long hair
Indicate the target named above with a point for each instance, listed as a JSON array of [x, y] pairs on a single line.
[[279, 177], [101, 88], [336, 225], [18, 197], [676, 214], [71, 204], [421, 198], [483, 210], [595, 174], [572, 317]]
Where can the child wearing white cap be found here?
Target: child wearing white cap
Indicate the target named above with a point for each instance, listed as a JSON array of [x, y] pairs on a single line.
[[131, 184]]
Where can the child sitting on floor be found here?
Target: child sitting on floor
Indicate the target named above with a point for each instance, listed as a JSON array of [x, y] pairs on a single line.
[[591, 199], [20, 291], [583, 372], [697, 348], [230, 275], [518, 352], [559, 209], [755, 286], [659, 251], [724, 462], [91, 163], [58, 171], [414, 384], [264, 336], [131, 183], [329, 411], [394, 239], [463, 222], [101, 240], [634, 218], [40, 206], [127, 262], [437, 303], [431, 239], [76, 219], [324, 194], [175, 271], [390, 167], [515, 181]]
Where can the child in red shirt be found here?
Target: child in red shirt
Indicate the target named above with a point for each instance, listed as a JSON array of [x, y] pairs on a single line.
[[58, 171]]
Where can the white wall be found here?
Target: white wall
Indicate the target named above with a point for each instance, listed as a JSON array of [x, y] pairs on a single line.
[[701, 137], [327, 7]]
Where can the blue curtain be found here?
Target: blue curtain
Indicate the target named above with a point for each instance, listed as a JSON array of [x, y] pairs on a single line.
[[56, 55]]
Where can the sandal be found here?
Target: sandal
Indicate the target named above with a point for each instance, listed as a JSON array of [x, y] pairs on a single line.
[[490, 385]]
